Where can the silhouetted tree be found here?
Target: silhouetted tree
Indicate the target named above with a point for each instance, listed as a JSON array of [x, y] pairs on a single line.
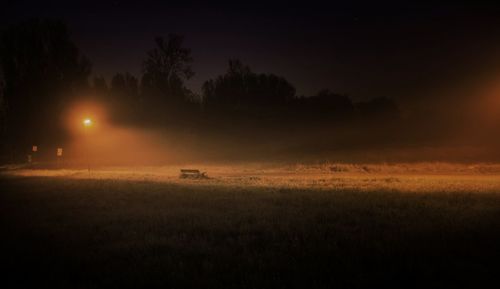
[[100, 86], [125, 97], [42, 69], [325, 106], [241, 90], [3, 113], [125, 84], [379, 108], [166, 68]]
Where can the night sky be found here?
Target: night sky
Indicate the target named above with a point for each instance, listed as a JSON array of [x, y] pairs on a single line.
[[364, 50]]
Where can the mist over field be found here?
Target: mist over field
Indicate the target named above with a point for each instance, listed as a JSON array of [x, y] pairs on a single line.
[[443, 104]]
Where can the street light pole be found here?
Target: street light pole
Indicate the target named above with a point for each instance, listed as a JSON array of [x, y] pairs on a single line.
[[87, 123]]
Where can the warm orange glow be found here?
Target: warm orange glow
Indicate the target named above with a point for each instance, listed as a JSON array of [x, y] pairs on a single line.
[[82, 117], [87, 122]]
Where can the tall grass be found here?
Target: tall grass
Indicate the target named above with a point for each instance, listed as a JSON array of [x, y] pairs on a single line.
[[118, 229]]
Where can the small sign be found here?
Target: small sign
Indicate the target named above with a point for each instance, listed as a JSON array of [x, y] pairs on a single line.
[[29, 159], [35, 148], [59, 152]]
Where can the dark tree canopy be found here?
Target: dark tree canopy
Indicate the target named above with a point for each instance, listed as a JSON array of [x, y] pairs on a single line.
[[42, 68], [100, 85], [242, 89], [42, 71], [125, 85], [125, 100], [3, 112], [166, 68], [379, 108], [324, 106]]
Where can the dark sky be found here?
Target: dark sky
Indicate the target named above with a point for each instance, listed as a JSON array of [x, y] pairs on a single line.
[[385, 49]]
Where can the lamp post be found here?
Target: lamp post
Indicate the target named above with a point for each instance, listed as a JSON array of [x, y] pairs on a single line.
[[87, 123]]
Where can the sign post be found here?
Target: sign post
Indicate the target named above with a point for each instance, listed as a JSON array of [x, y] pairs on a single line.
[[34, 150], [87, 123], [59, 156]]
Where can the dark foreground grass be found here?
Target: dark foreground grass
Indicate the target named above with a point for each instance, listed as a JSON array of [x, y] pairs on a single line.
[[66, 233]]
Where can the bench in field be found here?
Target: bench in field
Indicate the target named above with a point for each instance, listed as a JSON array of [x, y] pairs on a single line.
[[192, 174]]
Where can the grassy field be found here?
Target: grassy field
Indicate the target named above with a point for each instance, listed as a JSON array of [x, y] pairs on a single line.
[[252, 226]]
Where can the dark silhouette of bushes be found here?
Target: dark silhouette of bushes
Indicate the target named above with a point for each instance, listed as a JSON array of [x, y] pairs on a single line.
[[378, 108], [42, 71], [241, 91]]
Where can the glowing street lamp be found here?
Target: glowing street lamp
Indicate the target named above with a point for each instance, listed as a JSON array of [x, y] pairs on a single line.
[[87, 122]]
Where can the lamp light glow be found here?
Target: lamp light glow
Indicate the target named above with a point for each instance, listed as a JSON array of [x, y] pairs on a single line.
[[87, 122]]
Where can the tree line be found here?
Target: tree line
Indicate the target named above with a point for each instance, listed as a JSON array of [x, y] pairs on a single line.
[[42, 71]]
